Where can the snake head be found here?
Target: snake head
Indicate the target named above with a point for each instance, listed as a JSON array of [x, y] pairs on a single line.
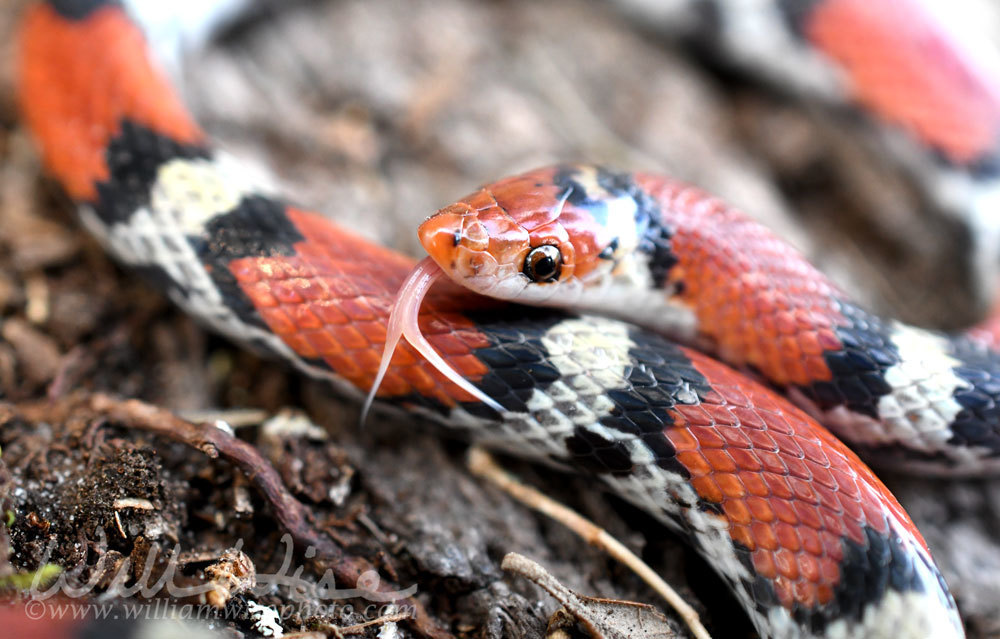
[[543, 237]]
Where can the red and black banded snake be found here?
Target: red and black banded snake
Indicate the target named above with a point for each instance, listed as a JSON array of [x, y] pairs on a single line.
[[810, 541]]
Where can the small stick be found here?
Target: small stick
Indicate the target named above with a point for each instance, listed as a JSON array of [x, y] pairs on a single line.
[[482, 464], [235, 417], [358, 628]]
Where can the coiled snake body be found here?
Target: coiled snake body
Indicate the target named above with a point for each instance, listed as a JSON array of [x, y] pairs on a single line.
[[810, 541]]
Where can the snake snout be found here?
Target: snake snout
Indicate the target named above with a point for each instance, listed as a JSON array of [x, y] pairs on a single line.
[[443, 233], [470, 243]]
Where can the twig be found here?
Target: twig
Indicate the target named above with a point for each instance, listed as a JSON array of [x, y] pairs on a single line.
[[358, 628], [235, 417], [482, 464], [599, 618]]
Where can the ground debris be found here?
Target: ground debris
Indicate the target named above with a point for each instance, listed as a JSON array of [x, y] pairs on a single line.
[[37, 353], [232, 574], [602, 618]]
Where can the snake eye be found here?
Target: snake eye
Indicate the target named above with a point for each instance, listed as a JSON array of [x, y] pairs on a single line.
[[543, 263]]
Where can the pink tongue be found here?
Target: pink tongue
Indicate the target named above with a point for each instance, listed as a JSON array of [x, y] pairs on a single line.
[[403, 323]]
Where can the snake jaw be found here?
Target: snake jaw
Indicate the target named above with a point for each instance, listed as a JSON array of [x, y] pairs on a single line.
[[403, 322]]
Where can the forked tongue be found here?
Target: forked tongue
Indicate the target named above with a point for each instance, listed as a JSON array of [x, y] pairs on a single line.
[[403, 323]]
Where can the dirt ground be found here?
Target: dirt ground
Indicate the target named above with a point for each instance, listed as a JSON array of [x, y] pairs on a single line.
[[377, 113]]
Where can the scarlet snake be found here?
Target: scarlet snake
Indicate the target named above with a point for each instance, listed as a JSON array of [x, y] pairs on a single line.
[[276, 271]]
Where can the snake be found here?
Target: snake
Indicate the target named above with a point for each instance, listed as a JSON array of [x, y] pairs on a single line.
[[808, 539], [668, 256]]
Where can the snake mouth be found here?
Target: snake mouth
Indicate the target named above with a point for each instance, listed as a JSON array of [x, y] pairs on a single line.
[[404, 322]]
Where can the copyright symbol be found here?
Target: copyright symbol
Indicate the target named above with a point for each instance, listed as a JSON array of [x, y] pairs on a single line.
[[35, 609]]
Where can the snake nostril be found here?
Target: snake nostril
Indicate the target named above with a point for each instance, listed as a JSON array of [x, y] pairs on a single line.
[[441, 235]]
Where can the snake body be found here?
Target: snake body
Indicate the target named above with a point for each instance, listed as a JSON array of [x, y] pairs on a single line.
[[925, 96], [810, 541], [666, 255]]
